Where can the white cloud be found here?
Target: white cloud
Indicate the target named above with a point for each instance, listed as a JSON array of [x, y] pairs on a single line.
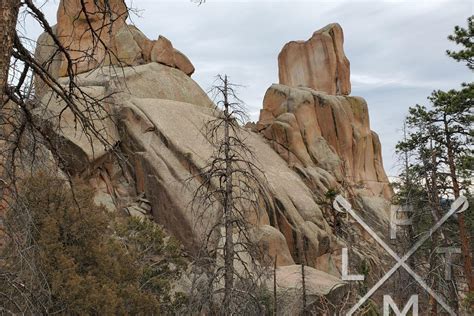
[[369, 81]]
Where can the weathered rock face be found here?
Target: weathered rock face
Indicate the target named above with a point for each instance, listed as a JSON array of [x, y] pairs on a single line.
[[153, 81], [112, 42], [82, 149], [312, 129], [318, 63]]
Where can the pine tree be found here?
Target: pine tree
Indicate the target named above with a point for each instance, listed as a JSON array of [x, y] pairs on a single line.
[[464, 37]]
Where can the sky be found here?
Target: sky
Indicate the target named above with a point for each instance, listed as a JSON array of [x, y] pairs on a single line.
[[397, 48]]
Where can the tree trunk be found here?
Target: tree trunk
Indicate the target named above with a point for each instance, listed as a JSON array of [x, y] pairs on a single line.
[[465, 243], [433, 266], [228, 204], [303, 283], [8, 17], [275, 298], [304, 262], [435, 213]]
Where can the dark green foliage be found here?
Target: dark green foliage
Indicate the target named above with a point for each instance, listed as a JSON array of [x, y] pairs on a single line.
[[64, 256], [468, 303], [159, 256], [426, 184], [450, 119], [464, 37], [331, 194]]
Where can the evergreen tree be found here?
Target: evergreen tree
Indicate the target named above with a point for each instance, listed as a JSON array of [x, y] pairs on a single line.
[[464, 37]]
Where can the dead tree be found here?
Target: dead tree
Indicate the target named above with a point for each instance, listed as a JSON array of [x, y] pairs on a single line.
[[234, 187]]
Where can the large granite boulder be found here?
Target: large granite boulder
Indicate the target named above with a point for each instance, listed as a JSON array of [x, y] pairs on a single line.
[[318, 63], [161, 132]]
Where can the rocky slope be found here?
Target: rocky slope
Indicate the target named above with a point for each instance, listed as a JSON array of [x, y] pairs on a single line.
[[312, 139]]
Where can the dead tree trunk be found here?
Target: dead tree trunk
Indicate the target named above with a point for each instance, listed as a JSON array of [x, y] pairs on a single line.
[[8, 17], [304, 261], [303, 282], [275, 309], [228, 204]]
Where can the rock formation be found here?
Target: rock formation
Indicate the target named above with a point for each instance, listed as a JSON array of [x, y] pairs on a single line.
[[310, 129], [112, 42], [311, 121], [319, 63], [311, 139]]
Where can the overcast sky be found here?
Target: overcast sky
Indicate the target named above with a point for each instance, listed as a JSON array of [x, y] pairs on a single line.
[[396, 48]]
